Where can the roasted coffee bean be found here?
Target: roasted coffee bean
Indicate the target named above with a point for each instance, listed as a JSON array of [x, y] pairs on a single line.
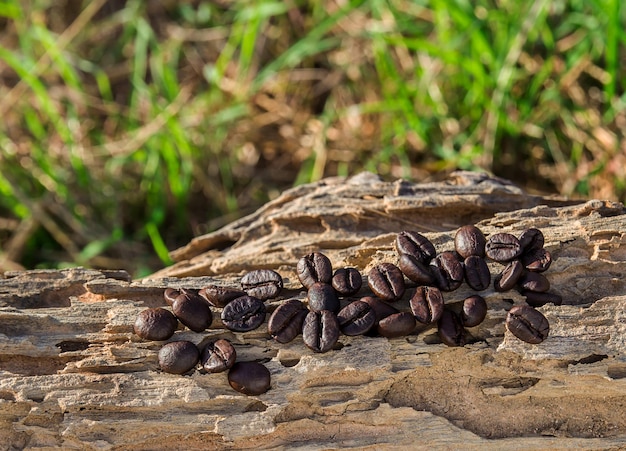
[[416, 270], [347, 281], [155, 324], [250, 378], [381, 309], [386, 281], [415, 244], [531, 239], [356, 318], [451, 330], [396, 325], [502, 247], [178, 357], [170, 294], [447, 271], [220, 296], [314, 267], [533, 281], [218, 356], [474, 311], [427, 304], [536, 299], [193, 311], [286, 322], [469, 240], [244, 314], [537, 260], [477, 273], [262, 284], [322, 296], [320, 331], [527, 324], [509, 276]]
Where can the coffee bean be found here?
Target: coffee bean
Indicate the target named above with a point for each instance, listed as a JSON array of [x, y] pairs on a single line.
[[509, 276], [250, 378], [219, 296], [415, 244], [286, 322], [447, 271], [386, 281], [477, 273], [178, 357], [537, 260], [155, 324], [416, 270], [427, 304], [536, 299], [469, 240], [218, 356], [396, 325], [322, 296], [262, 284], [314, 267], [193, 311], [451, 330], [320, 331], [356, 318], [502, 247], [533, 281], [381, 309], [527, 324], [244, 314], [474, 311], [347, 281], [531, 239], [170, 294]]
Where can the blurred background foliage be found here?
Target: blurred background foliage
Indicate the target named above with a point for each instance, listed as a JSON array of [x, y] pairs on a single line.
[[128, 127]]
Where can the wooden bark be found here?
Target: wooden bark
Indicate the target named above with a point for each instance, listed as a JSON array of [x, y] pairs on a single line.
[[74, 376]]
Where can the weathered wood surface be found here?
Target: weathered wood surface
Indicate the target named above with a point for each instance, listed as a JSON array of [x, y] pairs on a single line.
[[73, 374]]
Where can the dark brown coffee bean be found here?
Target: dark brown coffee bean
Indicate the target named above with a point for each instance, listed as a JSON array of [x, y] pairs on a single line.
[[381, 309], [262, 284], [536, 299], [322, 296], [320, 331], [244, 314], [416, 270], [386, 281], [170, 294], [250, 378], [314, 267], [477, 273], [531, 239], [447, 271], [193, 311], [220, 296], [509, 276], [415, 244], [356, 318], [347, 281], [527, 324], [533, 281], [537, 260], [474, 311], [218, 356], [427, 304], [396, 325], [503, 247], [178, 357], [469, 240], [155, 324], [286, 322], [451, 330]]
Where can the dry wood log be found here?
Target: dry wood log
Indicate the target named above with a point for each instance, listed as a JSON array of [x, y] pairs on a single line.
[[73, 375]]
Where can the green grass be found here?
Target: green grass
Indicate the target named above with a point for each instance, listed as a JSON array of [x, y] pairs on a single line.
[[129, 127]]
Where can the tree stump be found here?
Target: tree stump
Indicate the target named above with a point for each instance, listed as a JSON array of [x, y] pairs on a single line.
[[73, 375]]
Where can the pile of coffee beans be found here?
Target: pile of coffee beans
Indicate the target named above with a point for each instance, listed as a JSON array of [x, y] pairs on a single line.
[[421, 274]]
